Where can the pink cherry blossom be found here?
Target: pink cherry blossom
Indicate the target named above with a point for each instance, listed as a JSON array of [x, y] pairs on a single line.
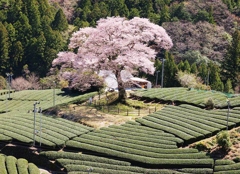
[[115, 44]]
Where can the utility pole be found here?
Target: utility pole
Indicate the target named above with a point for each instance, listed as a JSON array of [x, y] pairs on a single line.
[[34, 120], [40, 112]]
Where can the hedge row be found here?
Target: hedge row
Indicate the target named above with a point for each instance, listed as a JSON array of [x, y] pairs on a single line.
[[227, 167], [33, 169], [2, 165], [22, 166], [203, 114], [76, 156], [218, 114], [128, 170], [188, 118], [165, 139], [52, 134], [177, 118], [112, 142], [71, 165], [178, 133], [198, 116], [175, 126], [23, 100], [223, 162], [59, 123], [140, 130], [197, 170], [134, 137], [16, 136], [11, 165], [21, 134], [228, 172], [198, 97], [170, 118], [5, 138], [46, 123], [132, 150], [141, 127], [205, 162], [138, 140], [118, 129]]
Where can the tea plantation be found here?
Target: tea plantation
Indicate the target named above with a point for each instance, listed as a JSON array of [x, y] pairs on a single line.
[[156, 143]]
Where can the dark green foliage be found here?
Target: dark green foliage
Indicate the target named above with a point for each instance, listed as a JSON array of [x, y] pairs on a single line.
[[214, 77], [202, 15], [231, 63], [27, 36], [4, 49], [194, 69], [170, 71], [203, 72], [179, 11], [60, 22], [211, 18], [187, 67], [223, 140], [228, 87], [181, 66], [210, 103]]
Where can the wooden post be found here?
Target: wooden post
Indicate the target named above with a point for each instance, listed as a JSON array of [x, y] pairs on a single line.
[[127, 112], [139, 112]]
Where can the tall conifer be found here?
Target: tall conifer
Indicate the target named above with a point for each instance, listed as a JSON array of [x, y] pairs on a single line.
[[231, 63]]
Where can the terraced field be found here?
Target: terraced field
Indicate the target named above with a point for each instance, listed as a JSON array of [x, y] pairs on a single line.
[[191, 123], [79, 163], [152, 144], [11, 165], [22, 101], [51, 132], [192, 96]]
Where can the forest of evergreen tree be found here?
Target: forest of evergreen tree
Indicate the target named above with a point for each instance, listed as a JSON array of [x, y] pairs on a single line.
[[32, 32]]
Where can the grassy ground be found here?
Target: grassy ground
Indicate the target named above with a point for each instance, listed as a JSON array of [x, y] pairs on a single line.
[[215, 151], [105, 111]]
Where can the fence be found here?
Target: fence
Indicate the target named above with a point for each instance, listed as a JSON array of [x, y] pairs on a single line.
[[127, 112], [115, 110]]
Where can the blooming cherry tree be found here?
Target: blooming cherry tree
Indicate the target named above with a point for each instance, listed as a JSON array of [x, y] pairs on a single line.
[[116, 44]]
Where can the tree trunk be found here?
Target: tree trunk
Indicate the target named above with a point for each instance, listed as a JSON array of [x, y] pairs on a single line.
[[122, 96]]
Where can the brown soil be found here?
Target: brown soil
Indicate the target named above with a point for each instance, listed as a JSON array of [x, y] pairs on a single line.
[[94, 118], [217, 152]]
